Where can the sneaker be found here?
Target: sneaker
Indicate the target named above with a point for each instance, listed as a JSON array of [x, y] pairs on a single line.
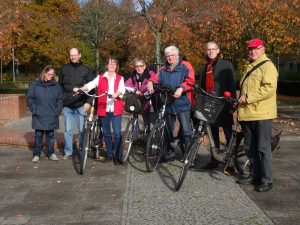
[[66, 157], [35, 159], [53, 157]]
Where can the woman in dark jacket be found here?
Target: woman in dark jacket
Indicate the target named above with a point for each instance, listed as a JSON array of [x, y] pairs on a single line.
[[138, 83], [45, 103]]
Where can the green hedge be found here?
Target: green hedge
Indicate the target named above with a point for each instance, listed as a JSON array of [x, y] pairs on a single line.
[[13, 91]]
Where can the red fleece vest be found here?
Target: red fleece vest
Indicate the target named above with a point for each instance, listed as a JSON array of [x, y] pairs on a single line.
[[103, 88]]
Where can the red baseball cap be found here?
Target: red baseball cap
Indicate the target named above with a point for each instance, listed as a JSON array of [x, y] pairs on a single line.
[[255, 43]]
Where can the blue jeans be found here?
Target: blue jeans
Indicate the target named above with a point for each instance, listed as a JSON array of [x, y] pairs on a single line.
[[116, 122], [39, 140], [215, 133], [185, 126], [70, 115]]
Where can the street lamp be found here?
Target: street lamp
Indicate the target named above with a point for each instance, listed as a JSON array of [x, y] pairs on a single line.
[[13, 58]]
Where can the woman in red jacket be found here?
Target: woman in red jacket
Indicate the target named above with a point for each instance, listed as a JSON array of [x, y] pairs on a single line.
[[110, 110]]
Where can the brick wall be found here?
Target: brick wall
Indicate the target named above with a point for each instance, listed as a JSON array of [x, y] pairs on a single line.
[[12, 106]]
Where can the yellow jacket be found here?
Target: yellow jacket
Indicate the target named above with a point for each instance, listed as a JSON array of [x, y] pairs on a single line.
[[260, 91]]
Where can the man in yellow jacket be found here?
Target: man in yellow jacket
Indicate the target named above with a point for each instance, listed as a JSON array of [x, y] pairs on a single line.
[[257, 108]]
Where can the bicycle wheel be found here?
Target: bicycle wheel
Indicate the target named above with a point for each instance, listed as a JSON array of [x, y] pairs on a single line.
[[86, 147], [190, 156], [96, 140], [242, 162], [155, 146], [127, 140]]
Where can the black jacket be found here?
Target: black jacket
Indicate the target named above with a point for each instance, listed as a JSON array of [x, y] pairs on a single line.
[[74, 75], [224, 80], [45, 103]]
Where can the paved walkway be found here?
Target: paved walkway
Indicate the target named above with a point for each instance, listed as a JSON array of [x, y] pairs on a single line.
[[138, 197]]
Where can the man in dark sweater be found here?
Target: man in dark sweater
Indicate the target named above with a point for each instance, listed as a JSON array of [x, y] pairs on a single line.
[[74, 74]]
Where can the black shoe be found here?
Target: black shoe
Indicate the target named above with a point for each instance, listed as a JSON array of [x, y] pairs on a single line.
[[210, 166], [119, 161], [230, 169], [107, 159], [247, 180], [263, 187]]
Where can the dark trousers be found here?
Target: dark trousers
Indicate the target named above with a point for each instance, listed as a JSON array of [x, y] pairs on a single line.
[[257, 140], [116, 122], [215, 133], [39, 139], [185, 126], [149, 119]]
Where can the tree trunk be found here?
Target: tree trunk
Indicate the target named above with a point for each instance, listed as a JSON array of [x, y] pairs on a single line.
[[158, 62], [97, 59]]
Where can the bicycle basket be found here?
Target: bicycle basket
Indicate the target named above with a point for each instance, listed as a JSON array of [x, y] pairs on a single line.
[[134, 103], [208, 108]]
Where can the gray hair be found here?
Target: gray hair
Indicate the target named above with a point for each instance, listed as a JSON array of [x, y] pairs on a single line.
[[211, 42], [171, 49]]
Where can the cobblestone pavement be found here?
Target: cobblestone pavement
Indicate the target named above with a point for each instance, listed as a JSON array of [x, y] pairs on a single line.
[[205, 197]]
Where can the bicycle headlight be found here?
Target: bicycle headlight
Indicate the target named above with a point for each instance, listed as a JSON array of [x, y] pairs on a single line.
[[132, 108]]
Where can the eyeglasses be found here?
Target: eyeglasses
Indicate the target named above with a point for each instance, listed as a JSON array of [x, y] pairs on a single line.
[[51, 74], [211, 49], [139, 66]]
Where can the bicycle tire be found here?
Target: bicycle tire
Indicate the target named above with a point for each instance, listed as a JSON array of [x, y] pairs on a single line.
[[155, 146], [86, 147], [190, 156], [96, 140], [242, 162], [127, 140]]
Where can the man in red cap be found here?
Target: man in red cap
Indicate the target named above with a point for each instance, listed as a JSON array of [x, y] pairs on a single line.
[[257, 108]]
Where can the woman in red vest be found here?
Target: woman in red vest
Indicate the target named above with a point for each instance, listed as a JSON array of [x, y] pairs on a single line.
[[110, 110]]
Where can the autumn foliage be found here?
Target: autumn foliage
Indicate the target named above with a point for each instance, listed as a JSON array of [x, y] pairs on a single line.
[[41, 32]]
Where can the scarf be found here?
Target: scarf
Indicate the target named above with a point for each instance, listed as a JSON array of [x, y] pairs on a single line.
[[209, 84]]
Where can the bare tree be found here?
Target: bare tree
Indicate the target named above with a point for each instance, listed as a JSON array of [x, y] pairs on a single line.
[[161, 14], [102, 21]]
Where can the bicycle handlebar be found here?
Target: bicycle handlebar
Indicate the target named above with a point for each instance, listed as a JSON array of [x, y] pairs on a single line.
[[94, 96], [201, 91]]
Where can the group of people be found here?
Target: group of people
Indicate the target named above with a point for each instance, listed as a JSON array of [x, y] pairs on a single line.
[[257, 103]]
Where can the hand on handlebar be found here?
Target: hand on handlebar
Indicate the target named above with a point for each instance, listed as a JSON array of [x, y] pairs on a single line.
[[178, 92], [150, 87], [76, 89], [138, 92]]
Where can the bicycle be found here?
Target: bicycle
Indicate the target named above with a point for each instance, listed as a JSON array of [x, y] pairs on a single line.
[[92, 137], [133, 132], [157, 140], [208, 108], [235, 155]]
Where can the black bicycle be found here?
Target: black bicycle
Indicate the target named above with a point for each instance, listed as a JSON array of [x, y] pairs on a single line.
[[92, 138], [158, 138], [234, 154], [208, 107], [134, 104]]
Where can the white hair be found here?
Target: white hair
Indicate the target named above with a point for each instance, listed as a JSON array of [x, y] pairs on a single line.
[[171, 49]]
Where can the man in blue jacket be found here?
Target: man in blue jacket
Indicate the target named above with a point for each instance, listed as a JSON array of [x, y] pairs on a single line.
[[74, 74], [178, 75]]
